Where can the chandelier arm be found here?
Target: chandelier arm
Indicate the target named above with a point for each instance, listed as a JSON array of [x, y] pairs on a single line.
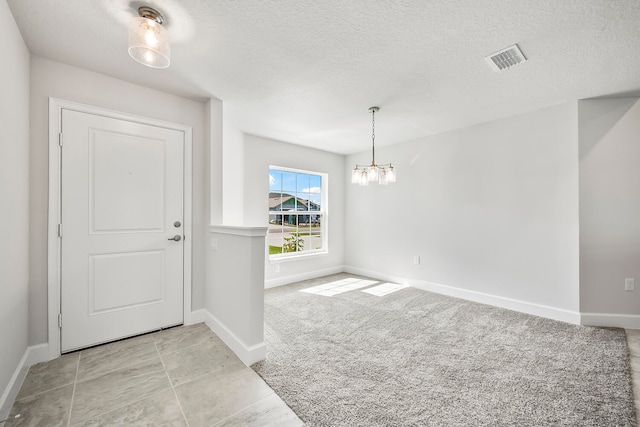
[[382, 165]]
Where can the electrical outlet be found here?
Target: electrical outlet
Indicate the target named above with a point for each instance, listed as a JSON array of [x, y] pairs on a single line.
[[416, 260], [629, 285], [276, 268]]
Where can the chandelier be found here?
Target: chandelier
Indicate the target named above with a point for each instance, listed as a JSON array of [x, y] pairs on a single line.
[[383, 173]]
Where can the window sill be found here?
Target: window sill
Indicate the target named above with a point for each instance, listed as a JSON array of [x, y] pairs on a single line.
[[286, 258]]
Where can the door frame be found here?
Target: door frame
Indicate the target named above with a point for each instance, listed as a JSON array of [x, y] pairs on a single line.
[[54, 283]]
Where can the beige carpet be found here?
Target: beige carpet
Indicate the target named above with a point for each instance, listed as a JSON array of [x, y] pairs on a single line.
[[414, 358]]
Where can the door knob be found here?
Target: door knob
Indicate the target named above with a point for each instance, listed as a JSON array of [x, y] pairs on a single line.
[[177, 238]]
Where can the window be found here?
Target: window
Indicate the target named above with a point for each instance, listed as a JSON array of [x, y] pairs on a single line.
[[297, 213]]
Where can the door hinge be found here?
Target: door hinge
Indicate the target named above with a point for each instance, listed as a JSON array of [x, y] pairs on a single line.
[[59, 230], [60, 139], [59, 320]]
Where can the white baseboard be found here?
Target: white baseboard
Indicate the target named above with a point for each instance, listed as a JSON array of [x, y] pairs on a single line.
[[12, 389], [248, 354], [480, 297], [626, 321], [281, 281], [38, 353], [34, 354], [197, 316]]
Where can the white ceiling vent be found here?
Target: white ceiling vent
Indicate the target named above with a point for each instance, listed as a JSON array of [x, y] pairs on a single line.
[[506, 58]]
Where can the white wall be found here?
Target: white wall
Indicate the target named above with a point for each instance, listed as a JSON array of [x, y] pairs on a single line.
[[53, 79], [490, 209], [259, 154], [213, 112], [609, 205], [14, 193], [235, 289], [232, 174]]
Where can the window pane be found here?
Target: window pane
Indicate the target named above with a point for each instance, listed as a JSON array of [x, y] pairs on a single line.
[[315, 181], [288, 202], [275, 235], [303, 234], [275, 202], [275, 180], [303, 202], [314, 201], [291, 240], [315, 192], [288, 182], [303, 183], [303, 221], [316, 232]]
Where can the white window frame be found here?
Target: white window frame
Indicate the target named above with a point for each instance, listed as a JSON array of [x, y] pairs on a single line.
[[324, 212]]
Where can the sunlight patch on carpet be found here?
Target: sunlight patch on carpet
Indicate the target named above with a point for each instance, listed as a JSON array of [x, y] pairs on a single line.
[[339, 287], [385, 289]]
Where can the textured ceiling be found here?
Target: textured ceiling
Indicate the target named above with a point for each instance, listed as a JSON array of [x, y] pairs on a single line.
[[306, 71]]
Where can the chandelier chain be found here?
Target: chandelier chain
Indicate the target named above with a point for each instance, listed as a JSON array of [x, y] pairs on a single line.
[[373, 126], [373, 137]]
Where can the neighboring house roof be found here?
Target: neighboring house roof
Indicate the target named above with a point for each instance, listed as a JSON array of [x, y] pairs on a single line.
[[278, 201]]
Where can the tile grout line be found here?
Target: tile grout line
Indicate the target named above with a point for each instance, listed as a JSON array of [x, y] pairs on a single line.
[[171, 385], [94, 376], [221, 343], [109, 372], [152, 341], [206, 374], [188, 346], [218, 423], [122, 406], [40, 393], [73, 393]]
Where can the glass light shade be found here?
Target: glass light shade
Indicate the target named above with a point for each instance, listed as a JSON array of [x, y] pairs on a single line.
[[364, 179], [391, 174], [355, 175], [149, 43], [383, 177], [373, 173]]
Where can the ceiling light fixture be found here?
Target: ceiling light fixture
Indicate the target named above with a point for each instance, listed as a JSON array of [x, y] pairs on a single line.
[[383, 173], [148, 39]]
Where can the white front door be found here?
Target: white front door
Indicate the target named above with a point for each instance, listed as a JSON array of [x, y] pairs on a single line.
[[121, 203]]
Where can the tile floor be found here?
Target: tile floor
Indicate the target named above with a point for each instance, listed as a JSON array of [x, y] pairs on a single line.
[[184, 376], [633, 339]]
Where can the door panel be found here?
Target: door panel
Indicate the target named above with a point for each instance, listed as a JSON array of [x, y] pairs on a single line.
[[123, 162], [122, 191], [124, 280]]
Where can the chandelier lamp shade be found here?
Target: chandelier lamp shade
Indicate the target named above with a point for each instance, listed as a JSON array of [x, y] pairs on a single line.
[[383, 173], [149, 40]]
